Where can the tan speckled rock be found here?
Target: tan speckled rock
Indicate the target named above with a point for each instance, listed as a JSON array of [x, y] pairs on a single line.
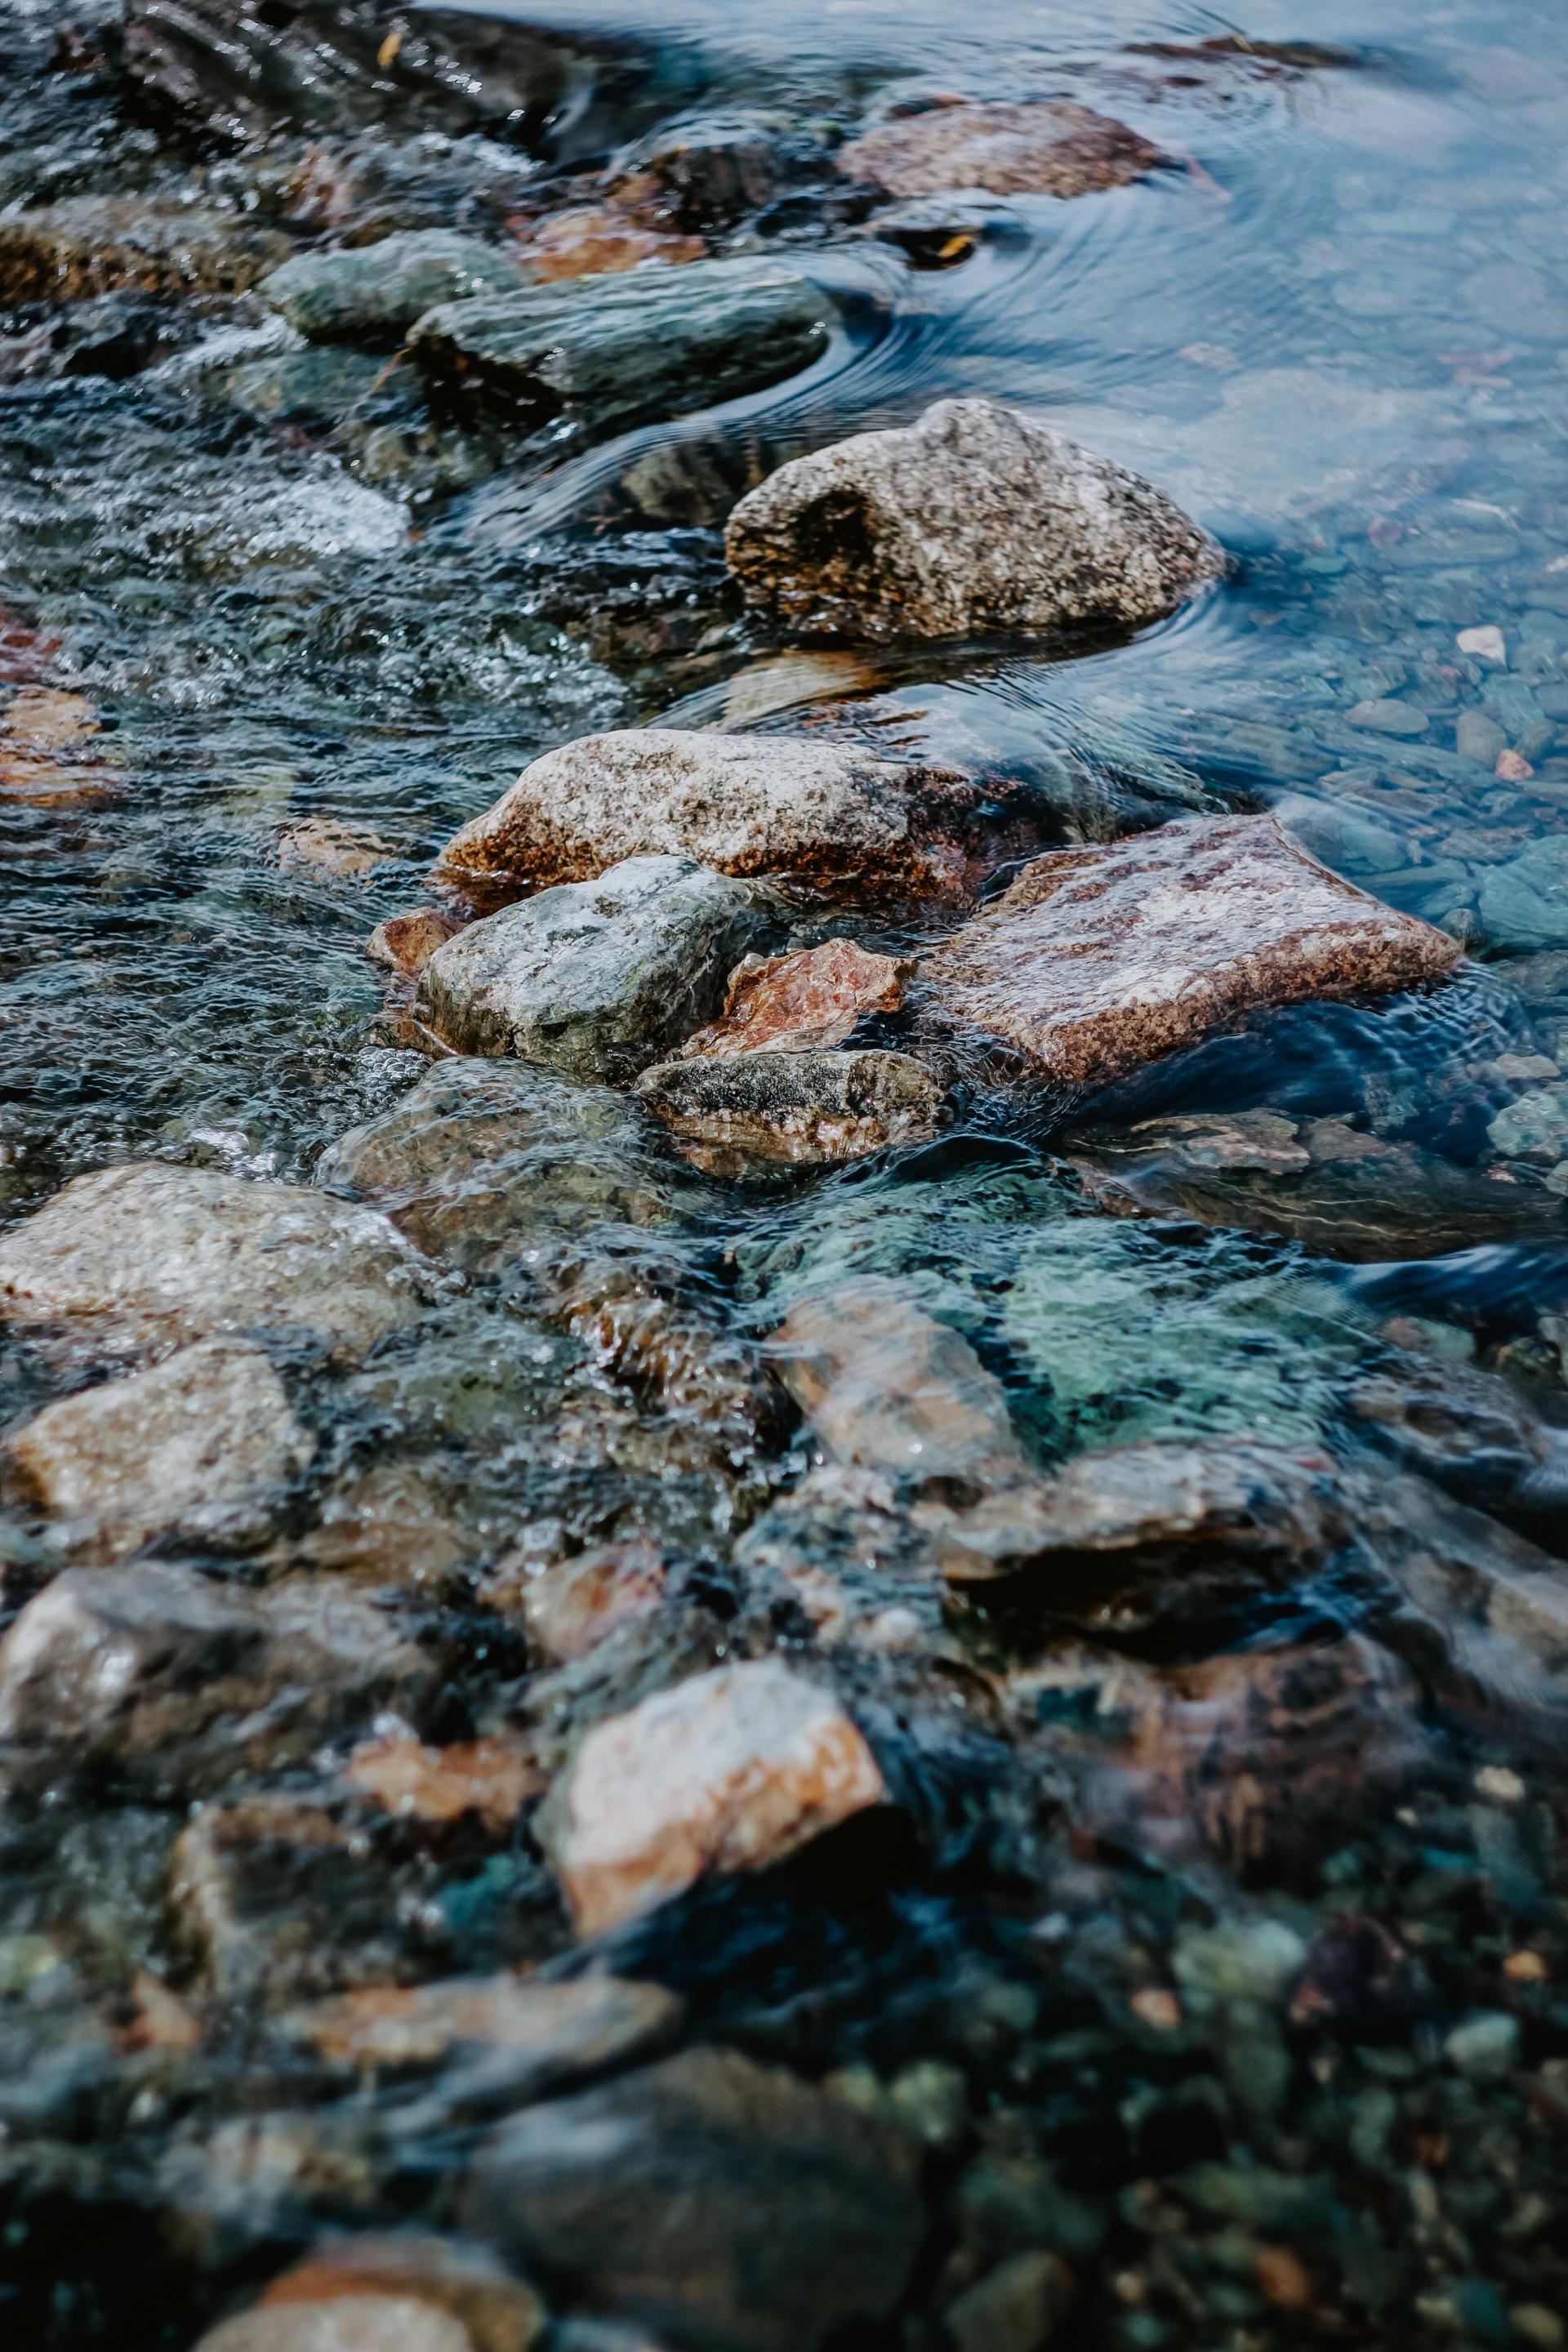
[[803, 1003], [1099, 958], [201, 1447], [804, 1110], [975, 521], [1038, 147], [350, 2322], [729, 1771], [447, 2274], [93, 244], [825, 815], [553, 2034]]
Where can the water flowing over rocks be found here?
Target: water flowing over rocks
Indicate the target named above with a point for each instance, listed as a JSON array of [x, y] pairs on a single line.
[[200, 1447], [374, 293], [88, 246], [801, 1004], [594, 978], [824, 816], [149, 1254], [795, 1108], [609, 351], [1038, 148], [724, 2206], [729, 1771], [1097, 959], [976, 521]]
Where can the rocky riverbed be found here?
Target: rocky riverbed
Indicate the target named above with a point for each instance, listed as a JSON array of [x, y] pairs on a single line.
[[784, 1179]]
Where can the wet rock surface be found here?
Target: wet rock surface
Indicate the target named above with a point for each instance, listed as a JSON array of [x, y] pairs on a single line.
[[803, 1003], [374, 294], [1037, 148], [974, 521], [89, 246], [796, 1108]]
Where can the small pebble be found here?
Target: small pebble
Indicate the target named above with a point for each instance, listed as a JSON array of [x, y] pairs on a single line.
[[1512, 768], [1496, 1782], [1386, 717], [1537, 2325], [1525, 1968], [1155, 2006], [1486, 2045], [1284, 2278], [1485, 645]]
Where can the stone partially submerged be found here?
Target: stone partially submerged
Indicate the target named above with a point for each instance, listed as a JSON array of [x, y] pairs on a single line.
[[977, 520], [802, 1109], [374, 293], [801, 1004], [827, 816], [1099, 958], [1033, 147], [594, 978]]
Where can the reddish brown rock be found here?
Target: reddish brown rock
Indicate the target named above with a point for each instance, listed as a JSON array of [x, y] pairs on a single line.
[[353, 2323], [1099, 958], [729, 1771], [792, 1109], [405, 943], [498, 2313], [1034, 147], [553, 2034], [797, 1003], [571, 1604], [595, 240], [50, 752], [327, 847], [492, 1778]]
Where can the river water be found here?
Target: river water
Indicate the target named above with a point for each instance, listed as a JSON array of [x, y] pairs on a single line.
[[1184, 2005]]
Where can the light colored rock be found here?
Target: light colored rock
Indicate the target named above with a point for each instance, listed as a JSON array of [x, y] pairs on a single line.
[[977, 520], [792, 1109], [374, 293], [466, 2282], [731, 1771], [570, 1605], [1017, 2308], [356, 2323], [323, 844], [1386, 716], [803, 1003], [594, 978], [201, 1447], [611, 349], [1038, 147], [827, 816], [553, 2034], [149, 1255], [1524, 903], [490, 1778], [1099, 958]]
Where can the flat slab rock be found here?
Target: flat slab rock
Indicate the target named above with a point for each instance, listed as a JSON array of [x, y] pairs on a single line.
[[150, 1254], [824, 816], [803, 1003], [1035, 147], [201, 1447], [803, 1109], [977, 520], [613, 348], [1100, 959], [374, 293], [465, 2283], [594, 978], [730, 1771]]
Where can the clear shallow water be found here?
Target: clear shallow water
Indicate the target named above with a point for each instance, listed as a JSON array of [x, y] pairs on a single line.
[[1335, 328]]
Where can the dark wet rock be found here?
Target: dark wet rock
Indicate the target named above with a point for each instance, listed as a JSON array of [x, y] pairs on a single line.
[[1097, 959], [95, 244], [826, 816], [1524, 902], [315, 385], [374, 293], [147, 1254], [153, 1673], [796, 1109], [569, 1605], [1018, 2307], [730, 1771], [1038, 147], [201, 1447], [496, 2310], [727, 2207], [803, 1003], [977, 520], [1477, 1436], [609, 351], [481, 1156], [594, 978], [367, 2322], [405, 943], [713, 169]]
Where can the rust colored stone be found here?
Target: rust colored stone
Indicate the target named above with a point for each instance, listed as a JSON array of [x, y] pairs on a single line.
[[405, 943], [788, 1005], [1036, 147], [792, 1109], [492, 1778], [570, 1605]]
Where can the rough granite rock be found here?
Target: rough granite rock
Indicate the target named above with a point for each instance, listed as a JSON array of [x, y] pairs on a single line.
[[1034, 147], [827, 816], [374, 293], [611, 350], [976, 521], [723, 2206], [594, 978], [801, 1004], [353, 2323], [149, 1255], [94, 245], [466, 2282], [730, 1771], [1102, 958], [405, 943], [800, 1109], [201, 1447]]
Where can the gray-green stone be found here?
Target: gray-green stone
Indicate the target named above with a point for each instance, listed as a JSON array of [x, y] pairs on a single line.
[[374, 293]]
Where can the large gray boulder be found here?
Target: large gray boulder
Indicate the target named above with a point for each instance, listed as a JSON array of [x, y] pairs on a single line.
[[975, 521], [826, 816], [609, 351], [374, 293], [596, 979]]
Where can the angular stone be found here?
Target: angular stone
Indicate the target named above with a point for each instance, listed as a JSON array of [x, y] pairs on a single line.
[[201, 1447], [150, 1254], [490, 1778], [596, 241], [1524, 904], [724, 2206], [155, 1673], [572, 1605], [611, 350], [792, 1109], [977, 520], [356, 2323], [1534, 1128], [499, 2312], [374, 293], [594, 978], [803, 1003], [826, 816], [1035, 147], [93, 244], [534, 2039], [731, 1771], [1099, 958], [405, 943]]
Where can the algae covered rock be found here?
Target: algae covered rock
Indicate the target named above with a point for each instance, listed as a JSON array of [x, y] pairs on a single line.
[[374, 293]]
